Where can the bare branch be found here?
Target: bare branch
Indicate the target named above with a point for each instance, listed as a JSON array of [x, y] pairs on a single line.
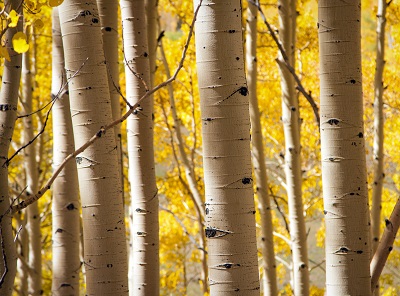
[[385, 246], [287, 64]]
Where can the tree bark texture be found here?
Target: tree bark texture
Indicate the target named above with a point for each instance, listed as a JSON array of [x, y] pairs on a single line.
[[258, 158], [291, 127], [66, 204], [377, 186], [32, 179], [230, 222], [8, 113], [144, 258], [105, 255], [108, 11], [347, 243]]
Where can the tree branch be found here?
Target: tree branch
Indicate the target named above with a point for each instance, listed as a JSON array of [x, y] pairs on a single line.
[[385, 246]]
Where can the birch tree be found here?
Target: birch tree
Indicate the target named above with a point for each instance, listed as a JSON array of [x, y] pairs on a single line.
[[291, 127], [144, 260], [66, 204], [105, 255], [378, 125], [230, 223], [108, 11], [8, 108], [32, 179], [347, 245], [258, 158]]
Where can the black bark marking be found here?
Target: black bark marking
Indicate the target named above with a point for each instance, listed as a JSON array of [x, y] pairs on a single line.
[[59, 230], [7, 107], [71, 207], [243, 91], [360, 135], [109, 265], [95, 20], [108, 29], [210, 232], [231, 31], [139, 210], [247, 180], [145, 54], [353, 81], [207, 211], [359, 252], [333, 121]]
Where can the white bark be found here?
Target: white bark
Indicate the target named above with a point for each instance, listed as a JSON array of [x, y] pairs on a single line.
[[66, 204], [291, 127], [108, 11], [8, 113], [144, 260], [258, 158], [378, 125], [230, 223], [98, 171], [343, 149], [32, 179]]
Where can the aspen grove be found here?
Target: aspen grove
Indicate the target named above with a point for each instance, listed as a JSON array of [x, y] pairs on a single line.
[[172, 147]]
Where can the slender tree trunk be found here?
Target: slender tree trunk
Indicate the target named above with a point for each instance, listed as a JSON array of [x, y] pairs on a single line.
[[98, 172], [152, 21], [32, 178], [8, 114], [23, 251], [378, 125], [66, 204], [190, 175], [378, 128], [258, 158], [230, 223], [343, 149], [108, 11], [144, 261], [291, 127]]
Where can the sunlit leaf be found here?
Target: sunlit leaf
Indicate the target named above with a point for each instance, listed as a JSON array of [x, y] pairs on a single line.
[[13, 16], [54, 3], [4, 53], [19, 43]]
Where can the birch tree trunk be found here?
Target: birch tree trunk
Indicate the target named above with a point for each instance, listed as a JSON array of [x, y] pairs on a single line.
[[291, 127], [258, 158], [8, 114], [230, 223], [108, 11], [66, 204], [32, 179], [105, 256], [144, 261], [378, 125], [152, 16], [343, 150]]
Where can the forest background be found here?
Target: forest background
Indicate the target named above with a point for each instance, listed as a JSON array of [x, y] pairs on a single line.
[[179, 253]]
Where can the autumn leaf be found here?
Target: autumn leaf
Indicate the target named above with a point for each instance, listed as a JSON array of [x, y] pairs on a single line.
[[19, 43], [54, 3], [38, 24], [4, 53], [13, 16]]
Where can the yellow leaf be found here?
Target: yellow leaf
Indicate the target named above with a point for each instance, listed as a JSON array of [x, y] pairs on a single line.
[[54, 3], [13, 17], [38, 23], [4, 53], [19, 43]]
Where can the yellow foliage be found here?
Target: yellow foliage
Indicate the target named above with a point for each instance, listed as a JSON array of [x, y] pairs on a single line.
[[13, 17], [20, 43]]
